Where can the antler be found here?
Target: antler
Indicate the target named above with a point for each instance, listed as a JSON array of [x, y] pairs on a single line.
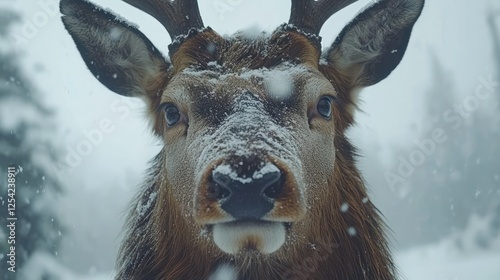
[[178, 17], [310, 15]]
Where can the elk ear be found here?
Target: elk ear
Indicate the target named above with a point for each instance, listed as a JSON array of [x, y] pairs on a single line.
[[118, 54], [373, 44]]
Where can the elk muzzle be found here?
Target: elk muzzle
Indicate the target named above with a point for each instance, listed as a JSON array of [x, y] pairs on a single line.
[[250, 189]]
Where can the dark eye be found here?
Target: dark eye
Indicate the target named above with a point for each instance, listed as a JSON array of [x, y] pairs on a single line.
[[324, 107], [172, 114]]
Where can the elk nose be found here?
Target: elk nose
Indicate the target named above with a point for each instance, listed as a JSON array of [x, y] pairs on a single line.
[[248, 197]]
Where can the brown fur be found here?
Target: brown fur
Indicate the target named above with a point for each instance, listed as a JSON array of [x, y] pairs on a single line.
[[160, 245]]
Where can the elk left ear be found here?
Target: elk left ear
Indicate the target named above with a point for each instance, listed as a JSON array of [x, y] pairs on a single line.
[[118, 54], [370, 47]]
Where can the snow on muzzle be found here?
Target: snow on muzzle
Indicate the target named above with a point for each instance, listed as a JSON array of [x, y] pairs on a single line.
[[249, 179]]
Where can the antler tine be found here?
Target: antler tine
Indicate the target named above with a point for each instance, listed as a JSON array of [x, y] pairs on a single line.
[[178, 17], [310, 15]]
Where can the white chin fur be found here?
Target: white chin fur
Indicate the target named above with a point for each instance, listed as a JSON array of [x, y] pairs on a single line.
[[265, 238]]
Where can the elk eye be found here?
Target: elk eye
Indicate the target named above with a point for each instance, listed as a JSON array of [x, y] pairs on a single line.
[[172, 114], [324, 107]]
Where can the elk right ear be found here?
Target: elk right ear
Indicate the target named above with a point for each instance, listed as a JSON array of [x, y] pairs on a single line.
[[370, 47], [118, 54]]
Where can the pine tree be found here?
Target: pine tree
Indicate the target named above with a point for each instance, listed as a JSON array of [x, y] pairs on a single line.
[[25, 144]]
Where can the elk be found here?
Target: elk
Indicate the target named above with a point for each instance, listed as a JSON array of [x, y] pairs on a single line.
[[256, 172]]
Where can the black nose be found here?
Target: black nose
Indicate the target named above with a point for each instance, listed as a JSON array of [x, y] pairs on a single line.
[[247, 197]]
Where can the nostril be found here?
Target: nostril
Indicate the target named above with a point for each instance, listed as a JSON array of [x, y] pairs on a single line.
[[274, 190], [217, 188], [222, 192]]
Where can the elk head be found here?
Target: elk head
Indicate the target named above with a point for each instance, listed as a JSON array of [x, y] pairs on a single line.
[[255, 152]]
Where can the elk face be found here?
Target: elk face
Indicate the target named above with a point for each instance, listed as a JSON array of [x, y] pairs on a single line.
[[250, 127], [246, 139]]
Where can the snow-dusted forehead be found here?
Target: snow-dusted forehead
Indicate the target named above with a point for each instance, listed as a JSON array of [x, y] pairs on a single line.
[[285, 82], [248, 131]]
